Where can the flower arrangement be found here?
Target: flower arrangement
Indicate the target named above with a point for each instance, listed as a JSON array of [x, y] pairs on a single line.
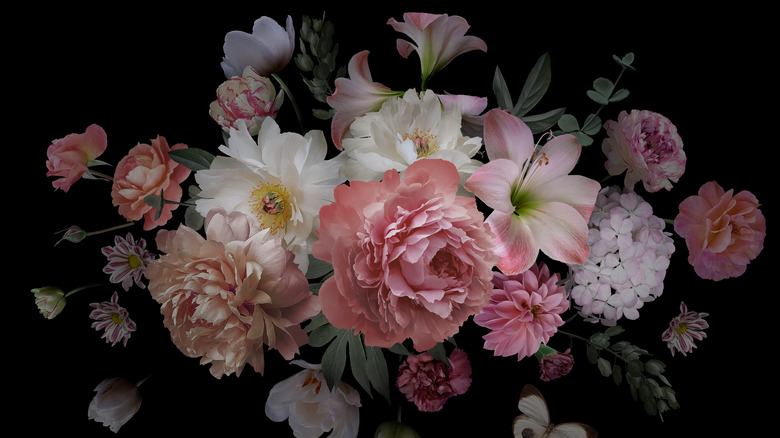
[[360, 278]]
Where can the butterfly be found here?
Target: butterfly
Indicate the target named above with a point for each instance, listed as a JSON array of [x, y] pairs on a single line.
[[534, 422]]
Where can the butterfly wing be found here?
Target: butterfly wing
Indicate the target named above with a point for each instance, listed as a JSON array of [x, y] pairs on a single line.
[[573, 430], [534, 422]]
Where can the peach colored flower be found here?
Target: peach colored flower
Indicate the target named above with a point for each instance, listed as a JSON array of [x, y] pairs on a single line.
[[116, 401], [225, 296], [70, 157], [723, 231], [429, 382], [411, 258], [249, 97], [647, 147], [524, 313], [148, 170]]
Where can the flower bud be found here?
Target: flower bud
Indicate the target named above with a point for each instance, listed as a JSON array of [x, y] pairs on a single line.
[[74, 234], [50, 300], [395, 429], [249, 97]]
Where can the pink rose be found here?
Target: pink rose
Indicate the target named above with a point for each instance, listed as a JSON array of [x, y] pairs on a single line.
[[249, 97], [647, 147], [225, 296], [148, 170], [69, 157], [723, 231], [556, 365], [411, 259], [428, 382]]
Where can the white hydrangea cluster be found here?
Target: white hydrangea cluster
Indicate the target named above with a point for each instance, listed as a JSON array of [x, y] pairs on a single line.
[[629, 255]]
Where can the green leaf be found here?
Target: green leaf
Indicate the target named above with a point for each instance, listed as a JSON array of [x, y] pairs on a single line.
[[604, 367], [543, 122], [619, 95], [376, 367], [584, 139], [592, 126], [357, 361], [568, 123], [439, 353], [617, 374], [400, 349], [592, 354], [322, 335], [317, 321], [635, 368], [603, 86], [614, 330], [655, 367], [597, 97], [317, 268], [501, 90], [192, 158], [335, 359], [535, 86]]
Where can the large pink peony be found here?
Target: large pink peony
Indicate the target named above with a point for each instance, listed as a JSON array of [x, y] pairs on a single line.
[[148, 170], [411, 259], [70, 157], [647, 147], [225, 296], [723, 231]]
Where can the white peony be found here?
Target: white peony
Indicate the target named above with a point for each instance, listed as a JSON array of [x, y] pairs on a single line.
[[404, 130], [281, 179]]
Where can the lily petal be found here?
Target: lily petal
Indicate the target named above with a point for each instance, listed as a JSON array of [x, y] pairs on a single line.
[[506, 136], [560, 232], [514, 242], [492, 183]]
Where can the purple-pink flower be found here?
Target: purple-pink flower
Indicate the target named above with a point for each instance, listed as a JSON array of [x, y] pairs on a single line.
[[555, 365], [684, 330], [127, 260], [429, 383], [536, 204], [647, 147], [113, 319], [70, 157], [524, 312], [411, 258], [722, 230]]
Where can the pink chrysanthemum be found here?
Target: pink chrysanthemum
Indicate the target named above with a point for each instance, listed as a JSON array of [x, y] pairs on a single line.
[[684, 330], [113, 319], [127, 260], [429, 382], [524, 312]]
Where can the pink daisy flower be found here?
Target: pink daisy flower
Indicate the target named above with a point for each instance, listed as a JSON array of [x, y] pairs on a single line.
[[684, 330], [524, 312], [113, 319], [127, 260]]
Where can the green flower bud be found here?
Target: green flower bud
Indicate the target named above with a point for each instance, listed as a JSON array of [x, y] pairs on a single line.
[[395, 429], [50, 300], [74, 234]]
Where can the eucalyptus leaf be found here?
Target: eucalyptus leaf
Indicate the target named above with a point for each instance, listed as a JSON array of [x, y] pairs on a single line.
[[568, 123], [335, 359], [614, 330], [617, 374], [603, 86], [655, 367], [192, 158], [619, 95], [592, 126], [635, 368], [597, 97], [604, 367], [592, 353]]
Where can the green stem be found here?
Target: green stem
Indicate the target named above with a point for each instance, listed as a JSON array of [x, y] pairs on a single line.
[[117, 227], [587, 341], [292, 99], [82, 288], [101, 175]]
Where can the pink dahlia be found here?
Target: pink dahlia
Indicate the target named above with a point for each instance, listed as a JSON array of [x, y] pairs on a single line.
[[723, 231], [113, 319], [524, 313], [127, 260], [70, 157], [684, 330], [225, 296], [647, 147], [429, 382], [411, 258]]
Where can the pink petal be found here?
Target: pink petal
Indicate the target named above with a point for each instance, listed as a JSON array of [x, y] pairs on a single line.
[[514, 242], [560, 232], [492, 183], [557, 158], [506, 136]]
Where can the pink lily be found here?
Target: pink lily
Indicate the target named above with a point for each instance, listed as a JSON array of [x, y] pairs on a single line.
[[536, 204], [356, 96], [438, 39]]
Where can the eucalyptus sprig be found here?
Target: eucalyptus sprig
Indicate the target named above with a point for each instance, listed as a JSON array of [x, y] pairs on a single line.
[[603, 93], [625, 360], [319, 60]]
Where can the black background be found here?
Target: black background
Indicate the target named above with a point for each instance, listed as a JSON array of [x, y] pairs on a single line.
[[142, 71]]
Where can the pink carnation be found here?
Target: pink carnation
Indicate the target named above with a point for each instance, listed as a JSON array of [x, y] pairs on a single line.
[[723, 231], [647, 147], [69, 157], [225, 296], [411, 259], [556, 365], [148, 170], [429, 382], [525, 311]]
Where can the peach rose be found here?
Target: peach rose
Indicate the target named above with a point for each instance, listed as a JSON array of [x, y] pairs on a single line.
[[70, 157], [411, 258], [723, 231], [226, 295], [148, 170]]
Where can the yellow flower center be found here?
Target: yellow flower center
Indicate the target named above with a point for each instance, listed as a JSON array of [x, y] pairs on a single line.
[[270, 204], [117, 319], [680, 329], [134, 261], [424, 142]]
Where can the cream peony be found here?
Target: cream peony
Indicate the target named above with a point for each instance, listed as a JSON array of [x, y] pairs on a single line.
[[225, 296], [405, 130]]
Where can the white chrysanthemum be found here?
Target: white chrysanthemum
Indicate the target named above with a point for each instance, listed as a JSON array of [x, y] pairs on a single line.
[[404, 130], [629, 255], [282, 179]]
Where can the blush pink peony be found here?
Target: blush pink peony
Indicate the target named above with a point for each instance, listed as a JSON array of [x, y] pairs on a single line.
[[70, 157], [429, 382], [249, 97], [148, 170], [647, 147], [225, 296], [723, 231], [524, 313], [411, 258]]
